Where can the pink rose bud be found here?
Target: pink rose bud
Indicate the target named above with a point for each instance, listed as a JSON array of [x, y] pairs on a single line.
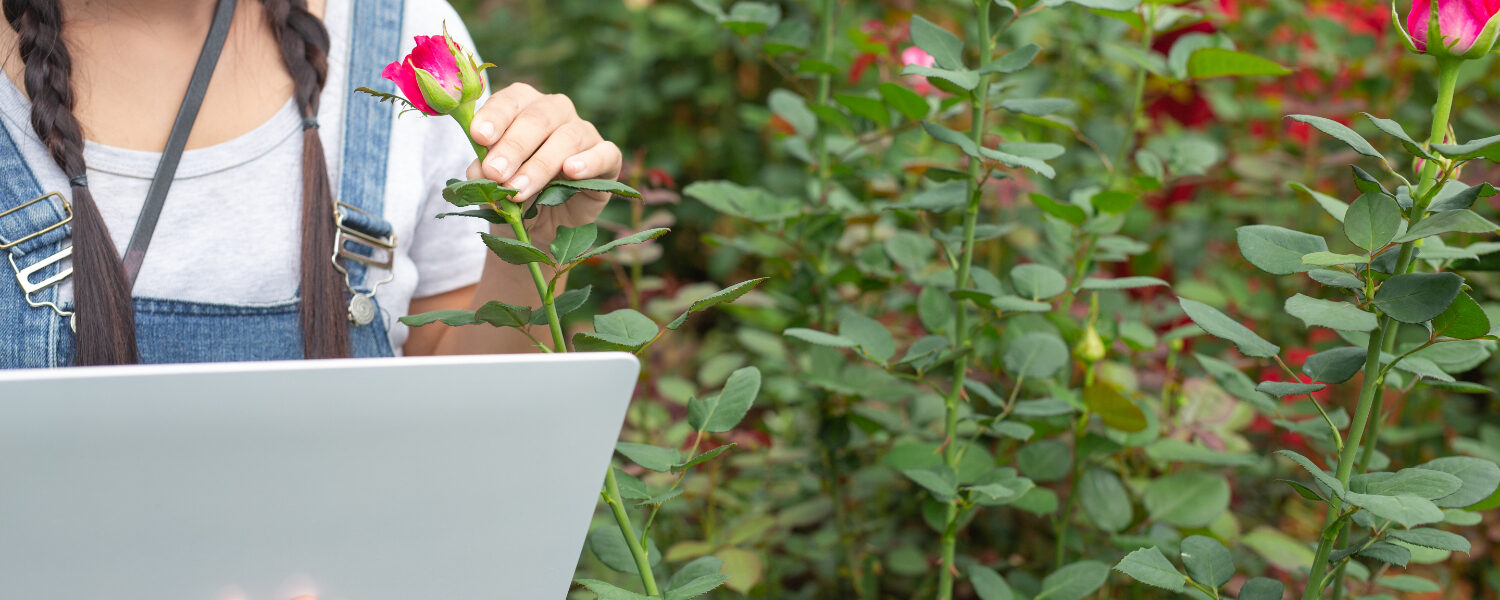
[[1451, 28], [913, 55], [434, 78]]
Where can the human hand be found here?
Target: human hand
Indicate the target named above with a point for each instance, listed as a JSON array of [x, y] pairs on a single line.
[[534, 138]]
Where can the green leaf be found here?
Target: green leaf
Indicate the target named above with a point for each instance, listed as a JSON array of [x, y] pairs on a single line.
[[696, 587], [1114, 5], [478, 213], [634, 238], [565, 303], [1432, 538], [1121, 283], [514, 251], [573, 241], [1221, 326], [1116, 410], [1405, 509], [702, 566], [869, 108], [1322, 476], [654, 458], [1013, 61], [754, 204], [1262, 588], [1393, 129], [721, 413], [1336, 279], [1067, 212], [1335, 366], [1170, 450], [1385, 552], [1456, 195], [1037, 282], [1481, 478], [1019, 155], [607, 543], [1277, 250], [1463, 320], [1333, 315], [1207, 561], [1372, 221], [910, 249], [1104, 500], [940, 480], [1149, 566], [869, 335], [501, 314], [938, 199], [1113, 202], [964, 79], [1219, 62], [476, 192], [628, 325], [1282, 389], [1461, 220], [726, 295], [988, 584], [1187, 498], [750, 18], [1486, 148], [1408, 583], [1075, 581], [1036, 355], [910, 104], [1329, 259], [447, 317], [702, 458], [1341, 133], [1044, 460], [820, 338], [1037, 107], [1417, 297], [946, 49], [607, 591], [1335, 207], [1423, 483]]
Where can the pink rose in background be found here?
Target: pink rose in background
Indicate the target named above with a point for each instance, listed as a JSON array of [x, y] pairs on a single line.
[[1461, 22], [433, 77], [913, 55]]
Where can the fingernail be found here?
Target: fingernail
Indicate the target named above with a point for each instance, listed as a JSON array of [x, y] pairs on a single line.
[[520, 183], [498, 164], [575, 165], [486, 130]]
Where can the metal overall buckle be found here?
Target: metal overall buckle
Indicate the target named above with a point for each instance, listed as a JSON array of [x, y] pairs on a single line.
[[24, 275], [361, 305]]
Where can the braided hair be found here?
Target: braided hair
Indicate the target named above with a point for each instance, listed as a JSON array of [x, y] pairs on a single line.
[[105, 317]]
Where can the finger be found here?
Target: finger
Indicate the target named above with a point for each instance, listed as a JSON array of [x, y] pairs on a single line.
[[547, 162], [475, 170], [498, 110], [530, 128], [601, 161]]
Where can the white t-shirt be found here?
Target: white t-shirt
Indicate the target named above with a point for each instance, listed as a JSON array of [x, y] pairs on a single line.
[[230, 229]]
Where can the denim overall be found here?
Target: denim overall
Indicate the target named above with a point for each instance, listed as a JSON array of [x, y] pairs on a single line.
[[35, 237]]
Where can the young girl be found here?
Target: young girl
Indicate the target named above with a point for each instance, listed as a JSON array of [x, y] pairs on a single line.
[[300, 218]]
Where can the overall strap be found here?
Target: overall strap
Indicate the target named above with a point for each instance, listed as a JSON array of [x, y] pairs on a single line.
[[34, 238], [375, 39]]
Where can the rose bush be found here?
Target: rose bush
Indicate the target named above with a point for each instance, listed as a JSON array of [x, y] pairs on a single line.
[[917, 429]]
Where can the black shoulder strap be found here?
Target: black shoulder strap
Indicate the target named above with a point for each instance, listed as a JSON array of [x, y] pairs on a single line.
[[145, 225]]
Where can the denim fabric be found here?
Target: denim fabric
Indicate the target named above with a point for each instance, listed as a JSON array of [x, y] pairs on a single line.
[[171, 331]]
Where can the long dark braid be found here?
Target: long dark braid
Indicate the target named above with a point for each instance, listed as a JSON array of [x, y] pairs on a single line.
[[106, 332], [101, 292], [304, 50]]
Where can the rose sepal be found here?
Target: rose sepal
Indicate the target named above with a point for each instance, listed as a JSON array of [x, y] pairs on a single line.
[[440, 100], [1400, 27], [469, 79]]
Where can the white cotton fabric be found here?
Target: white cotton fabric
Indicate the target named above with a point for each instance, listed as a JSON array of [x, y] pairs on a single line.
[[230, 229]]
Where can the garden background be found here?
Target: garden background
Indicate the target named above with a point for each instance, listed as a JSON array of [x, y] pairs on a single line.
[[778, 143]]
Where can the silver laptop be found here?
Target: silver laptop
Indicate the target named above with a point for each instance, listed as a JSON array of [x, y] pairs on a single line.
[[452, 478]]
